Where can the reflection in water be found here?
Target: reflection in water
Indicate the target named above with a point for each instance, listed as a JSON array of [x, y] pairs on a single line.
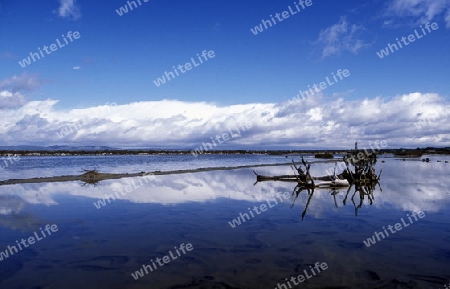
[[101, 248], [11, 204], [359, 174], [430, 193], [11, 215], [362, 190]]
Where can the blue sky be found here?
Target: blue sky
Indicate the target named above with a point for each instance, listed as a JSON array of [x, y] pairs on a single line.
[[117, 58]]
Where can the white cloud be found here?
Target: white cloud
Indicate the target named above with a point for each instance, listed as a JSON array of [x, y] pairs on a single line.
[[387, 23], [341, 37], [23, 82], [312, 123], [69, 8], [11, 100], [447, 19], [423, 10], [343, 94], [76, 67]]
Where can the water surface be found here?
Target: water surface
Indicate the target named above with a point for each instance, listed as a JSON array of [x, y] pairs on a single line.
[[101, 247]]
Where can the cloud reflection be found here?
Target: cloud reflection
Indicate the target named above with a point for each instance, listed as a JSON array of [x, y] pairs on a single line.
[[408, 186]]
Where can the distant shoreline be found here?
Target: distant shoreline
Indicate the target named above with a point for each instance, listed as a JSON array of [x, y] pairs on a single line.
[[116, 152]]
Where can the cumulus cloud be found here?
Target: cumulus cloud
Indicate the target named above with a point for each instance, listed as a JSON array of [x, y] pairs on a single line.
[[447, 18], [422, 10], [11, 100], [21, 83], [409, 120], [341, 37], [68, 9]]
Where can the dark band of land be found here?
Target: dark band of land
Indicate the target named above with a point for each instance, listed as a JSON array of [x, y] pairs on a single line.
[[399, 152]]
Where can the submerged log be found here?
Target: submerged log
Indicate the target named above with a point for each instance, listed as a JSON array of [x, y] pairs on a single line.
[[359, 170], [290, 178], [359, 173], [285, 178], [326, 181]]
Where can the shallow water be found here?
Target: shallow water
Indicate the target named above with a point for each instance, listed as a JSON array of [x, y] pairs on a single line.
[[102, 247], [32, 167]]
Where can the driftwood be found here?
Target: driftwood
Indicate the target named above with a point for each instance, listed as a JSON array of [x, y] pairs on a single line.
[[358, 174], [359, 170], [326, 183], [304, 179], [284, 178], [287, 178], [359, 167]]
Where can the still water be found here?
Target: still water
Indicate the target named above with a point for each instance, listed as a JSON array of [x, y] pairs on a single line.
[[100, 245]]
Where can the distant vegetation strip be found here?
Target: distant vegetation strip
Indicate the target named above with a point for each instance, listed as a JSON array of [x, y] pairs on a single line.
[[398, 152], [323, 156]]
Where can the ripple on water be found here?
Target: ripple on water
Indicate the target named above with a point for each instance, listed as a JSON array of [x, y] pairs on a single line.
[[206, 282], [442, 255], [99, 263], [430, 279]]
